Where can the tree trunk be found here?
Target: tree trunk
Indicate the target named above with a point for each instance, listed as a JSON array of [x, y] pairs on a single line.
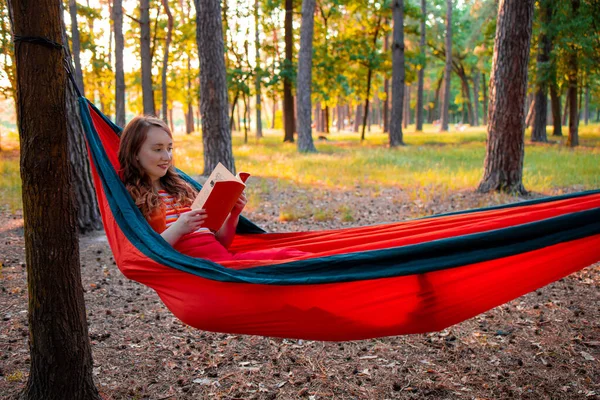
[[448, 69], [189, 116], [146, 58], [530, 112], [484, 85], [358, 117], [397, 73], [476, 98], [436, 108], [386, 89], [76, 45], [565, 114], [369, 78], [165, 66], [466, 90], [274, 112], [304, 81], [572, 77], [586, 110], [259, 132], [421, 74], [216, 135], [61, 358], [86, 203], [406, 113], [288, 98], [538, 133], [117, 14], [506, 129]]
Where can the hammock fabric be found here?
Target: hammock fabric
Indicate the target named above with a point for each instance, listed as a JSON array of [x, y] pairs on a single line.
[[407, 277]]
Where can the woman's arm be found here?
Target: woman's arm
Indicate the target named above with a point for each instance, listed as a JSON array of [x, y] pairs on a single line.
[[187, 222], [227, 232]]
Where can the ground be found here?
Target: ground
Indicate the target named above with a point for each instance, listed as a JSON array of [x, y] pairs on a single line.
[[543, 345]]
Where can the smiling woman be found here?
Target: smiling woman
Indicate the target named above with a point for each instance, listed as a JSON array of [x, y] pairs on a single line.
[[164, 198]]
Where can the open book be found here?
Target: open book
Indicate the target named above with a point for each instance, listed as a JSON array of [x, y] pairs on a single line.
[[219, 194]]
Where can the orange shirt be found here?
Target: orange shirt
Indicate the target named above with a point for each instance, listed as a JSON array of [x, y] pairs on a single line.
[[165, 216]]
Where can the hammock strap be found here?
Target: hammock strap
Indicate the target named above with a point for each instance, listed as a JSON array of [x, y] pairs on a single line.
[[42, 41]]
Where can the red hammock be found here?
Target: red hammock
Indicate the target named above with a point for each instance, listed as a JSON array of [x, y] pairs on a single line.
[[407, 277]]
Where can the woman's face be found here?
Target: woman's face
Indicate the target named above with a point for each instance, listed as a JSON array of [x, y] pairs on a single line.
[[155, 155]]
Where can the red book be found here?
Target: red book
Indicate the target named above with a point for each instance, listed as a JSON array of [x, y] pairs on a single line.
[[219, 194]]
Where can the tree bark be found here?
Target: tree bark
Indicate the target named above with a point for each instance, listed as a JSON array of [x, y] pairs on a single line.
[[421, 74], [189, 115], [448, 69], [146, 59], [386, 89], [288, 98], [117, 13], [76, 46], [572, 81], [165, 66], [484, 85], [538, 133], [508, 86], [259, 132], [586, 110], [397, 73], [565, 114], [61, 358], [86, 203], [216, 135], [476, 98], [304, 82]]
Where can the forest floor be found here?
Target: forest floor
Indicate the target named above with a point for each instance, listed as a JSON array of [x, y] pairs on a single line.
[[544, 345]]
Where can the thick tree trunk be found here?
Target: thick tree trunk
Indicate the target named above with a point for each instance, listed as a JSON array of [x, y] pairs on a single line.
[[61, 358], [506, 129], [146, 58], [117, 14], [304, 82], [165, 65], [448, 69], [259, 132], [421, 74], [76, 45], [288, 99], [216, 135], [397, 73], [86, 204]]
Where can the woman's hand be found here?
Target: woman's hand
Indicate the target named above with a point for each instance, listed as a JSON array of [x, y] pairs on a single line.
[[239, 205], [189, 222]]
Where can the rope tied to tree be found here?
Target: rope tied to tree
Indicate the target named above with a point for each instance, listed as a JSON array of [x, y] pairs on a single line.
[[53, 45], [38, 40]]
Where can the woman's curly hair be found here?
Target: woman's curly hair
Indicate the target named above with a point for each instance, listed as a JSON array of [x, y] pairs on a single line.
[[136, 180]]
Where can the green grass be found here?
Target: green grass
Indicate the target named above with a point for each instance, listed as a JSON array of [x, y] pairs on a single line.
[[448, 161], [443, 161]]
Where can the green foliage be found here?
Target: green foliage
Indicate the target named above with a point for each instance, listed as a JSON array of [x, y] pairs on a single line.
[[7, 72]]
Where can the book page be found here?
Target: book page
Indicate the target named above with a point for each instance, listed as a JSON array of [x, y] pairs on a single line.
[[220, 173]]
